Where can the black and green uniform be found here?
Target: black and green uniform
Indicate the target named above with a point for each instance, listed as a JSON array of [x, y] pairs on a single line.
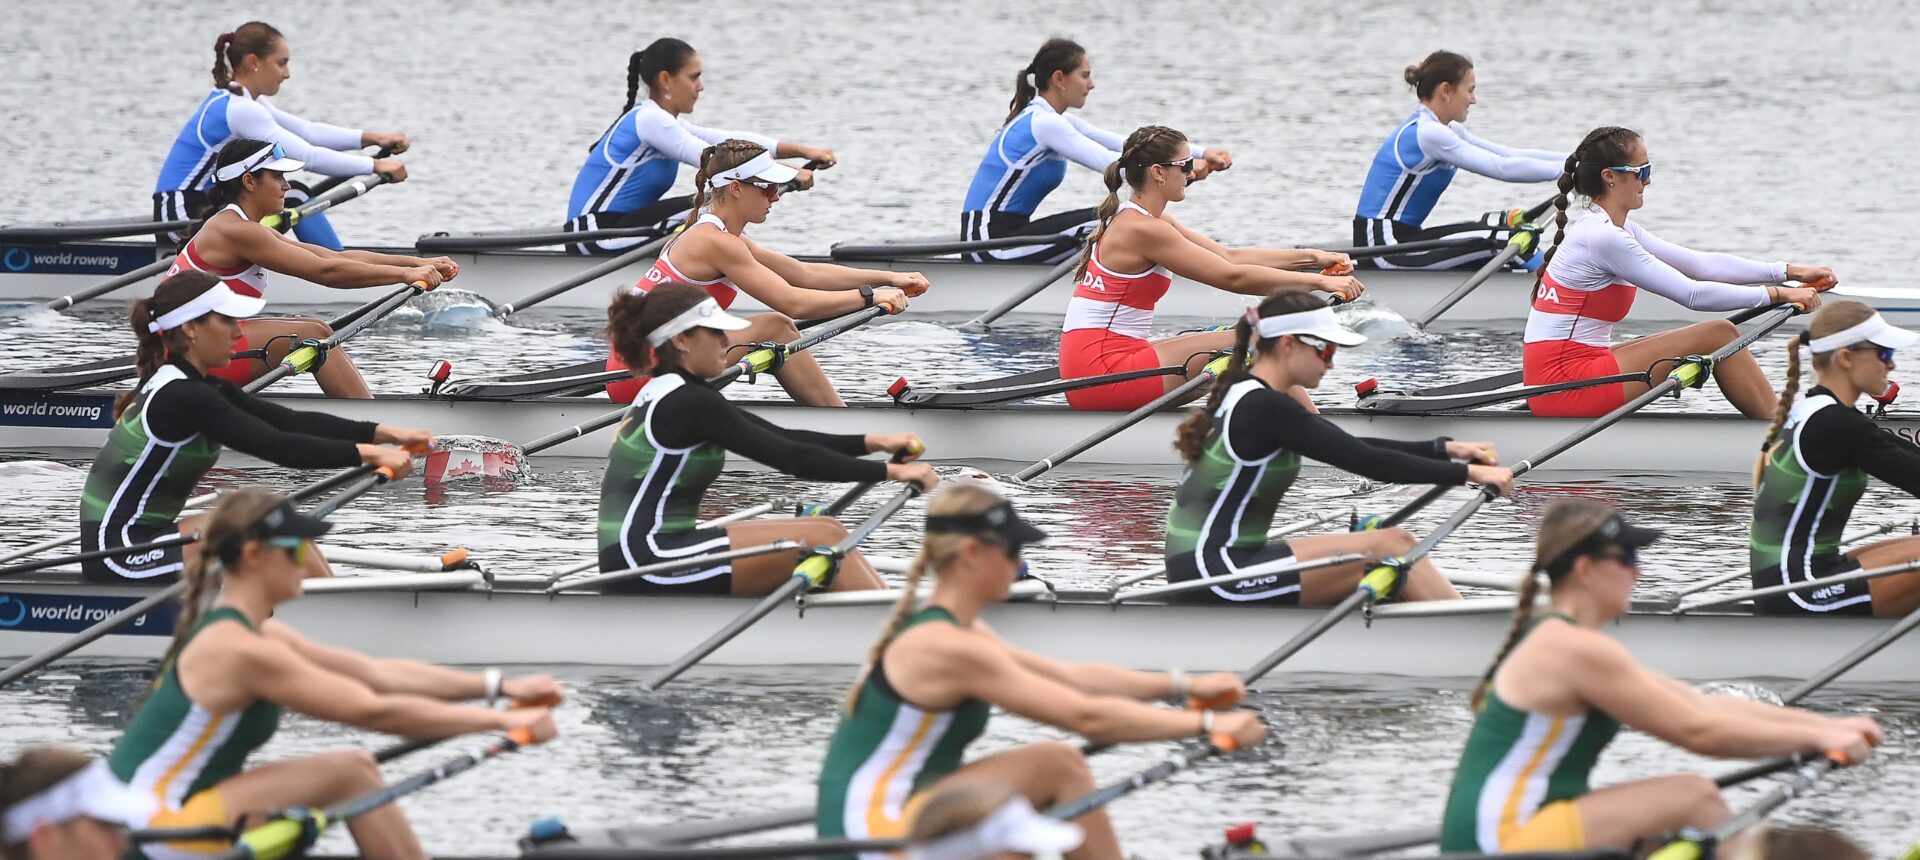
[[667, 454], [1224, 507], [167, 440], [1517, 762], [1812, 479], [889, 750], [174, 748]]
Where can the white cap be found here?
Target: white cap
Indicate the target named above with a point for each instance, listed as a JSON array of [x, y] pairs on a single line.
[[1874, 330], [1319, 322], [761, 167], [220, 298], [92, 792], [1013, 827], [706, 314], [269, 157]]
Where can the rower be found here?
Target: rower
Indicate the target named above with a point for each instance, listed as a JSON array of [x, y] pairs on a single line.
[[1560, 688], [1418, 161], [249, 183], [631, 166], [1594, 270], [1807, 485], [676, 442], [938, 671], [169, 429], [1028, 157], [249, 65], [1111, 313], [739, 182], [61, 804], [1243, 450], [233, 668]]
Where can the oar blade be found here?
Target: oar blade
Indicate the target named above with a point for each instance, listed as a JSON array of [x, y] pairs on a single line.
[[463, 458]]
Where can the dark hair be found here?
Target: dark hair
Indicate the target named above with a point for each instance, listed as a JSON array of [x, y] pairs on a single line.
[[1802, 842], [1832, 318], [1440, 67], [634, 313], [1602, 148], [1565, 532], [1057, 55], [725, 155], [220, 193], [206, 574], [1191, 439], [665, 54], [252, 39], [35, 770], [1146, 146], [154, 348]]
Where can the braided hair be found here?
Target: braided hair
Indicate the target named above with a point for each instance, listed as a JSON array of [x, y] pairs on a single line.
[[1191, 439], [725, 155], [665, 54], [1145, 147], [1056, 55], [1602, 148], [1831, 318]]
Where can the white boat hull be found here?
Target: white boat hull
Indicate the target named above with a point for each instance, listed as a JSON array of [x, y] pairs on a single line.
[[479, 627], [1658, 443], [40, 273]]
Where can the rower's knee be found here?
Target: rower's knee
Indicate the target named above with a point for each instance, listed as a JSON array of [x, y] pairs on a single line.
[[826, 529], [1396, 540], [352, 771], [781, 327], [1064, 760], [1700, 796], [1723, 331]]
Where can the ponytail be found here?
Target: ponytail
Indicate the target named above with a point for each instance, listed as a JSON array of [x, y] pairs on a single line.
[[207, 572], [153, 349], [1787, 395], [1565, 534], [1055, 55], [1108, 208], [1522, 616], [1832, 318], [1565, 184], [665, 54], [902, 608], [725, 155], [222, 72], [634, 62]]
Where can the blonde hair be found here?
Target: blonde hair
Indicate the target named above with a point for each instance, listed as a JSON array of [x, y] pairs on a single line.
[[206, 574], [957, 498], [1831, 318], [35, 770], [1568, 522], [725, 155], [955, 808]]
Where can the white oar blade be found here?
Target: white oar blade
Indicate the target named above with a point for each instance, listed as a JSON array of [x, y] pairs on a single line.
[[458, 458]]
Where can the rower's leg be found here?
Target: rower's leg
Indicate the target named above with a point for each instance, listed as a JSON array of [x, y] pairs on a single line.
[[1739, 376], [338, 377], [322, 780], [1329, 585], [1897, 594], [1617, 816], [1047, 773], [802, 377], [761, 574]]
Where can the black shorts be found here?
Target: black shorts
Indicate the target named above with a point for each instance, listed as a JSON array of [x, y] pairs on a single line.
[[1077, 223], [710, 579], [148, 567], [1282, 587], [1384, 232], [1845, 598], [662, 216]]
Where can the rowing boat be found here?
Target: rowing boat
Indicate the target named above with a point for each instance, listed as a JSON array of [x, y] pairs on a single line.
[[1660, 442], [505, 623], [46, 272]]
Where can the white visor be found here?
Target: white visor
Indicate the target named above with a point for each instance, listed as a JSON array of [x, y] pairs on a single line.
[[269, 157], [706, 314], [1874, 330], [761, 167], [1014, 827], [92, 792], [219, 299], [1319, 322]]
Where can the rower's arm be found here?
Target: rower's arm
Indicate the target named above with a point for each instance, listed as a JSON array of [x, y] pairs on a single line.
[[250, 118], [1443, 143], [252, 426], [1097, 678], [1271, 421], [261, 245], [1854, 439], [736, 260], [374, 257], [1558, 158], [990, 671], [387, 675], [815, 276], [1735, 706], [700, 414], [1164, 244], [1273, 258], [1605, 676], [272, 669], [1706, 266], [1064, 136]]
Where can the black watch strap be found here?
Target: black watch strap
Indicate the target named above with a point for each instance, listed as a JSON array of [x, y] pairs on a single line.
[[866, 296]]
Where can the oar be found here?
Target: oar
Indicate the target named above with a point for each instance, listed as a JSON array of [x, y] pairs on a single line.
[[1160, 772], [309, 355], [1698, 845], [1053, 273], [625, 259], [1525, 238], [1206, 376], [1796, 587], [281, 221], [813, 571], [1277, 533], [1696, 588]]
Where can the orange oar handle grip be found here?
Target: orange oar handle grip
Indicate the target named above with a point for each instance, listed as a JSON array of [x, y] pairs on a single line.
[[422, 286], [1338, 269], [1224, 742], [1220, 702], [1840, 758], [522, 736], [550, 700], [453, 558], [386, 471]]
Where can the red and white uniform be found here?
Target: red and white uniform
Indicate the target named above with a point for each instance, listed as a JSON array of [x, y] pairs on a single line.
[[248, 280], [722, 289], [1108, 321], [1591, 284]]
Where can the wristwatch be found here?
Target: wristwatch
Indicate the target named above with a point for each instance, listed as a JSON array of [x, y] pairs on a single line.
[[866, 296]]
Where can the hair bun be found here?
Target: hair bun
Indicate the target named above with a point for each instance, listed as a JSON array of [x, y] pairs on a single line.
[[1412, 76]]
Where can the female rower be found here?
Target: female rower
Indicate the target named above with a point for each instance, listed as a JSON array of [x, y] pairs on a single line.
[[938, 671], [1243, 450], [60, 804], [249, 65], [1111, 313], [1417, 163], [739, 182], [676, 443], [1594, 270], [168, 432], [1806, 486], [233, 668], [250, 181], [631, 166], [1028, 157], [1560, 688]]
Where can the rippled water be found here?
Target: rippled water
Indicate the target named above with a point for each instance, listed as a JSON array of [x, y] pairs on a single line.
[[1773, 123]]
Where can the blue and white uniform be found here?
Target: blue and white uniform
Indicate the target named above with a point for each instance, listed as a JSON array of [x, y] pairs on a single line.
[[1024, 163], [631, 167], [1414, 167], [226, 114]]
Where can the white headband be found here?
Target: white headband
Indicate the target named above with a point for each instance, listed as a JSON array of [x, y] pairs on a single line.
[[1310, 322], [1870, 328], [219, 297], [93, 792], [249, 164], [687, 319], [746, 170], [1014, 827]]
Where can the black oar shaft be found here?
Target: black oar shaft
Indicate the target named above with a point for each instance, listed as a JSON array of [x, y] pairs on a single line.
[[1855, 657], [163, 543], [1521, 242], [1046, 279], [1047, 463], [625, 259], [111, 284], [1407, 510], [1304, 638]]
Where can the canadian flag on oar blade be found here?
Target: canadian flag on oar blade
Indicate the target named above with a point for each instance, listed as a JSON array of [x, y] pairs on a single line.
[[454, 463]]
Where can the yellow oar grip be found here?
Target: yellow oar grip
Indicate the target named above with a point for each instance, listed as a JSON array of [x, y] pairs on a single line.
[[1688, 374], [1217, 366], [1524, 240], [1381, 581], [815, 568], [278, 838], [1677, 851]]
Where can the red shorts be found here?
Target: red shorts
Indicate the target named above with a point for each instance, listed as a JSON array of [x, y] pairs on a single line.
[[1092, 352], [240, 371], [1550, 361], [625, 390]]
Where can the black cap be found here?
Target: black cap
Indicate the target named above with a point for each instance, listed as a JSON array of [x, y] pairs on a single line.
[[1000, 520], [1618, 532], [281, 520]]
